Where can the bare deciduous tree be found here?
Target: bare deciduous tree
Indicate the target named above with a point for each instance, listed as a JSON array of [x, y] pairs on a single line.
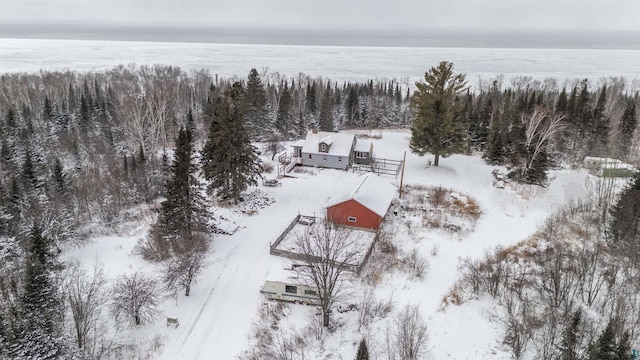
[[329, 253], [186, 264], [86, 295], [135, 299], [540, 128], [411, 334]]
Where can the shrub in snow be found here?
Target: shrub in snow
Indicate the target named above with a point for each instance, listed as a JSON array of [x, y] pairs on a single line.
[[135, 299], [410, 334], [416, 264]]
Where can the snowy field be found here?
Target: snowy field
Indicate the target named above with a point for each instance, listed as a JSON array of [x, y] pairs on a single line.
[[216, 320], [407, 65]]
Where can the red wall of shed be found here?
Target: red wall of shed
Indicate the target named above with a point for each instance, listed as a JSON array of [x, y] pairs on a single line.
[[366, 218]]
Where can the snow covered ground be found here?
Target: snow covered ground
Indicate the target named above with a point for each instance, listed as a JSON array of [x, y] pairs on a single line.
[[407, 65], [216, 319]]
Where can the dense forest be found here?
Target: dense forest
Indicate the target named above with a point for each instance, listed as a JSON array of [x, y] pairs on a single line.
[[78, 151]]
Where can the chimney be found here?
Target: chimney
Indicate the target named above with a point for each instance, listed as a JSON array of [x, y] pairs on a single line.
[[314, 130]]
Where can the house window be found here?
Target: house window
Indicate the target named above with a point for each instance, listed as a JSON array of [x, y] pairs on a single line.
[[310, 292], [309, 156], [361, 155], [339, 158], [291, 289], [323, 147], [352, 219], [324, 157]]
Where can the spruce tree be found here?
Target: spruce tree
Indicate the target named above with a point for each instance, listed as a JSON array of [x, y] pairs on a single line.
[[230, 161], [363, 351], [562, 105], [84, 114], [623, 348], [72, 102], [628, 125], [311, 105], [570, 345], [191, 123], [352, 107], [605, 347], [625, 220], [600, 127], [185, 210], [326, 111], [47, 111], [439, 125], [39, 333], [255, 109], [283, 120]]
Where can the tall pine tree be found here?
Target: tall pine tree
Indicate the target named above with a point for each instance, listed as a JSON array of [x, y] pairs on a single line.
[[363, 351], [185, 210], [230, 161], [438, 125], [255, 109]]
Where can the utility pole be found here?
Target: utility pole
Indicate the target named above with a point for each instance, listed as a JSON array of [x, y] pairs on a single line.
[[404, 160]]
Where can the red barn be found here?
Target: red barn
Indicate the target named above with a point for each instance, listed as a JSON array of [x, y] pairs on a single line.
[[364, 205]]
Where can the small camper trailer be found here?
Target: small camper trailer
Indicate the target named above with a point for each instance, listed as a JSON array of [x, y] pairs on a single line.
[[299, 294]]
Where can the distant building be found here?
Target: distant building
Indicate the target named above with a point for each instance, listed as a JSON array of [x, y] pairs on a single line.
[[331, 150], [608, 167], [363, 205]]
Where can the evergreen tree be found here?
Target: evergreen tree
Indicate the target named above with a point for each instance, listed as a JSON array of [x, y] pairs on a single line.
[[72, 102], [326, 111], [59, 178], [363, 351], [47, 111], [185, 210], [623, 348], [569, 346], [310, 105], [605, 347], [191, 123], [628, 125], [84, 113], [39, 333], [562, 105], [255, 106], [438, 126], [230, 161], [352, 107], [600, 128], [283, 120], [625, 220]]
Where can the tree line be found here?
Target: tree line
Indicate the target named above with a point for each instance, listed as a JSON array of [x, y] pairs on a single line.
[[530, 127], [77, 150]]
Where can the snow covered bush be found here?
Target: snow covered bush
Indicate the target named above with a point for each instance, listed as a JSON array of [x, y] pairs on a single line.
[[410, 335], [416, 264], [135, 299]]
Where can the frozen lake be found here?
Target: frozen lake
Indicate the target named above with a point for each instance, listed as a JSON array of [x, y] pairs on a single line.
[[338, 63]]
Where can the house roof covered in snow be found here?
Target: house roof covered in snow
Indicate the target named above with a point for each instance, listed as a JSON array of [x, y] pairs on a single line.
[[370, 191], [340, 144], [299, 143], [362, 146]]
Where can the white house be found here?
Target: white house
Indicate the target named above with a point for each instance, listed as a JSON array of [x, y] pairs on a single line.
[[330, 150]]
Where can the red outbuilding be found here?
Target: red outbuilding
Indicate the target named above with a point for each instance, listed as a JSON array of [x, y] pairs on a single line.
[[364, 205]]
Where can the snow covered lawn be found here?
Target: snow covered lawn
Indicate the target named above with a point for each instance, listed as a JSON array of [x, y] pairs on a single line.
[[216, 320]]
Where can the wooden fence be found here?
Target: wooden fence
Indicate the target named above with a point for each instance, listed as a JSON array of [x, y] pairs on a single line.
[[273, 248]]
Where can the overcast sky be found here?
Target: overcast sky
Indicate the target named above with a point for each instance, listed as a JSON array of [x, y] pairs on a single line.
[[499, 15]]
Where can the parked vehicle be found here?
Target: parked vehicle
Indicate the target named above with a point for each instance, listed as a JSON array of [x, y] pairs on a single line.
[[297, 293]]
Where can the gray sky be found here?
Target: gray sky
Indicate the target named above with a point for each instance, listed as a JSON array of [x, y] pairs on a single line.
[[490, 15]]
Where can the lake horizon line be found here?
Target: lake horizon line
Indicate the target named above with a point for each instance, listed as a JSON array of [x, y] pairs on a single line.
[[332, 37]]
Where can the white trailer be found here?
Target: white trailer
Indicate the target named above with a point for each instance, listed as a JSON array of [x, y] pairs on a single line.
[[297, 293]]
